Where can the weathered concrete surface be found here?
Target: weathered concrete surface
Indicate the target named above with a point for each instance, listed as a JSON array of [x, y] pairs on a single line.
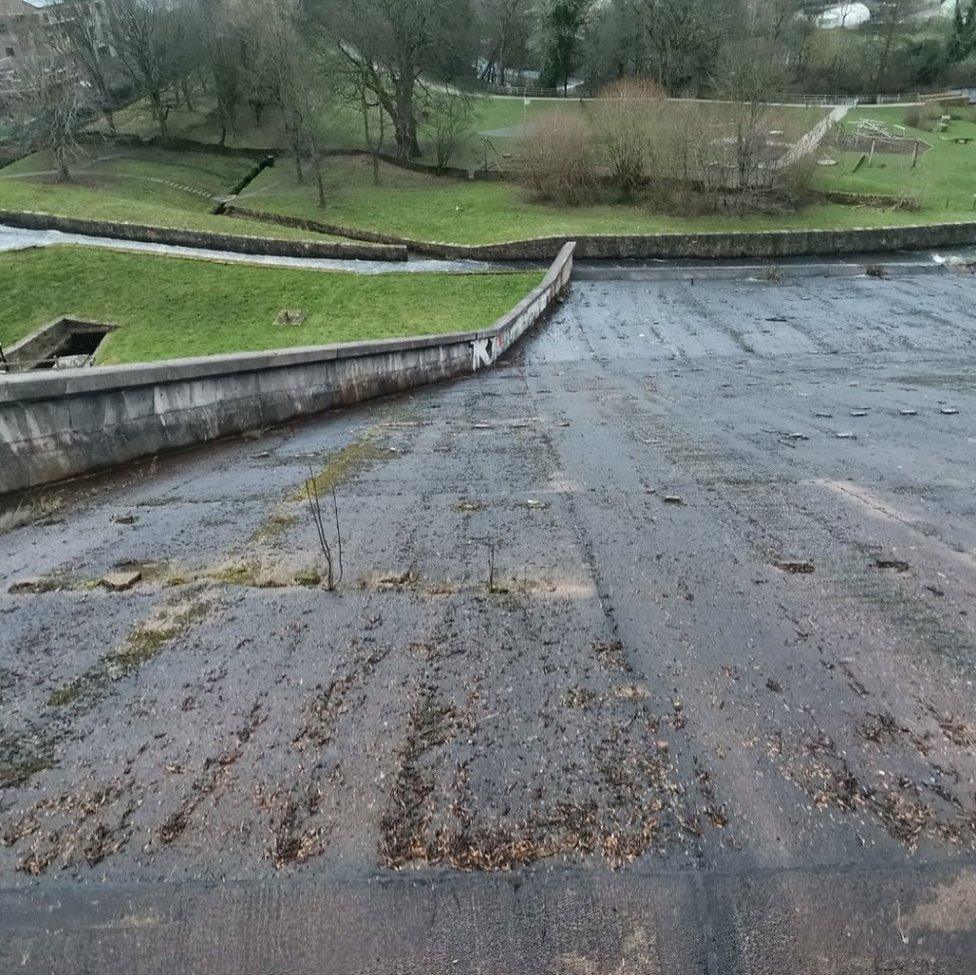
[[693, 761], [56, 425]]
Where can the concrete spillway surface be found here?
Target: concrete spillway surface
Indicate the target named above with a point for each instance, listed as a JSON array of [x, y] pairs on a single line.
[[654, 652]]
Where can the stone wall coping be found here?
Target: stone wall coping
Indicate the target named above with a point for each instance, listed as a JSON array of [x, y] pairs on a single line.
[[205, 239], [709, 245]]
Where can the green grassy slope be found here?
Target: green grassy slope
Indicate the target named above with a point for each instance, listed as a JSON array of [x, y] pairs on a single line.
[[148, 186], [944, 179], [171, 307], [430, 208]]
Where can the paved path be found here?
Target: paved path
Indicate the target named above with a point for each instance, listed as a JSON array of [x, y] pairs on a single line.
[[12, 239], [811, 142], [715, 713]]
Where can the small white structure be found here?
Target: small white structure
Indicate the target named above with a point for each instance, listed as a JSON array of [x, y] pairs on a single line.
[[848, 15]]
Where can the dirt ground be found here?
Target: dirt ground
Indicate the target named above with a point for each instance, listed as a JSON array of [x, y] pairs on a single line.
[[653, 652]]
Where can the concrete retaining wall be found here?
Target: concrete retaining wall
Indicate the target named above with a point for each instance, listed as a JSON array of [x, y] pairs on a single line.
[[765, 245], [203, 239], [59, 425]]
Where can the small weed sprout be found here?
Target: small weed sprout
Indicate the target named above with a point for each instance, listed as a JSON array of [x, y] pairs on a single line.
[[312, 493], [491, 568]]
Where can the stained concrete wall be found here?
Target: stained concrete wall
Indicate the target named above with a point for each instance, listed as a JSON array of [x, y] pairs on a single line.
[[59, 425], [707, 246], [235, 243]]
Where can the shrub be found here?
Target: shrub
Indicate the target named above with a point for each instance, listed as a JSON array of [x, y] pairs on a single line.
[[558, 162], [922, 117], [449, 116], [625, 118]]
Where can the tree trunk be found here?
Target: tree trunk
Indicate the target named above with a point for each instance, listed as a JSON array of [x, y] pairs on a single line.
[[404, 122], [317, 162], [403, 135], [61, 162], [415, 152]]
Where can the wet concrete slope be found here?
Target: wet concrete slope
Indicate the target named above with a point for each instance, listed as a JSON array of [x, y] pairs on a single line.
[[653, 652]]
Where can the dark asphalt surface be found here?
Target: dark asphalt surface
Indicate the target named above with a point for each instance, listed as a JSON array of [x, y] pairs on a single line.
[[714, 714]]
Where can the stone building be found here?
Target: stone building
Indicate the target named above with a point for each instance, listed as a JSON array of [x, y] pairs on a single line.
[[22, 25]]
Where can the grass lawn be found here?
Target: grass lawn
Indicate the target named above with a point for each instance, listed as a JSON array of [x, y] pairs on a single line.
[[170, 308], [943, 180], [430, 208], [144, 186]]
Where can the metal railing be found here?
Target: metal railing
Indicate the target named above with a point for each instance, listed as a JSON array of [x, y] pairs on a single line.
[[536, 91]]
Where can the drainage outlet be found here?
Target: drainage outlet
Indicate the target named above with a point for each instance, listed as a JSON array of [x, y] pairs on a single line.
[[68, 343]]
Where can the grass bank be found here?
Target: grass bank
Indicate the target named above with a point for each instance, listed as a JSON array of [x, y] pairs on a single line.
[[169, 308], [149, 186], [943, 179], [429, 208]]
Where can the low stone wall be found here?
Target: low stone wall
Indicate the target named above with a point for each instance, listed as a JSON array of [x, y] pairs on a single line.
[[59, 425], [877, 201], [448, 172], [235, 243], [764, 245]]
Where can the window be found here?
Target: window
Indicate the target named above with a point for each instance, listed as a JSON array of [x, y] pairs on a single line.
[[10, 52]]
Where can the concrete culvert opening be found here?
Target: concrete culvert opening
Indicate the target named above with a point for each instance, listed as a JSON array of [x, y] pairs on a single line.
[[67, 343], [78, 350]]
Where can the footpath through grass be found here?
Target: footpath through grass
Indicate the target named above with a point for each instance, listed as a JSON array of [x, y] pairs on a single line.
[[170, 308], [153, 187]]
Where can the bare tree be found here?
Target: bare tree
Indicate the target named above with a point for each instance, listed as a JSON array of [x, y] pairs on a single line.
[[294, 75], [749, 76], [147, 35], [891, 19], [624, 122], [49, 105], [685, 38], [396, 43], [506, 27], [353, 87], [449, 116], [224, 47], [558, 162], [79, 35]]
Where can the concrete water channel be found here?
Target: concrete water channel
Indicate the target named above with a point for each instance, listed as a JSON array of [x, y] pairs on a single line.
[[654, 653]]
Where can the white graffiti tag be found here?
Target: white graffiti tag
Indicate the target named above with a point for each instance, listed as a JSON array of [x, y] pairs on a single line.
[[482, 354]]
